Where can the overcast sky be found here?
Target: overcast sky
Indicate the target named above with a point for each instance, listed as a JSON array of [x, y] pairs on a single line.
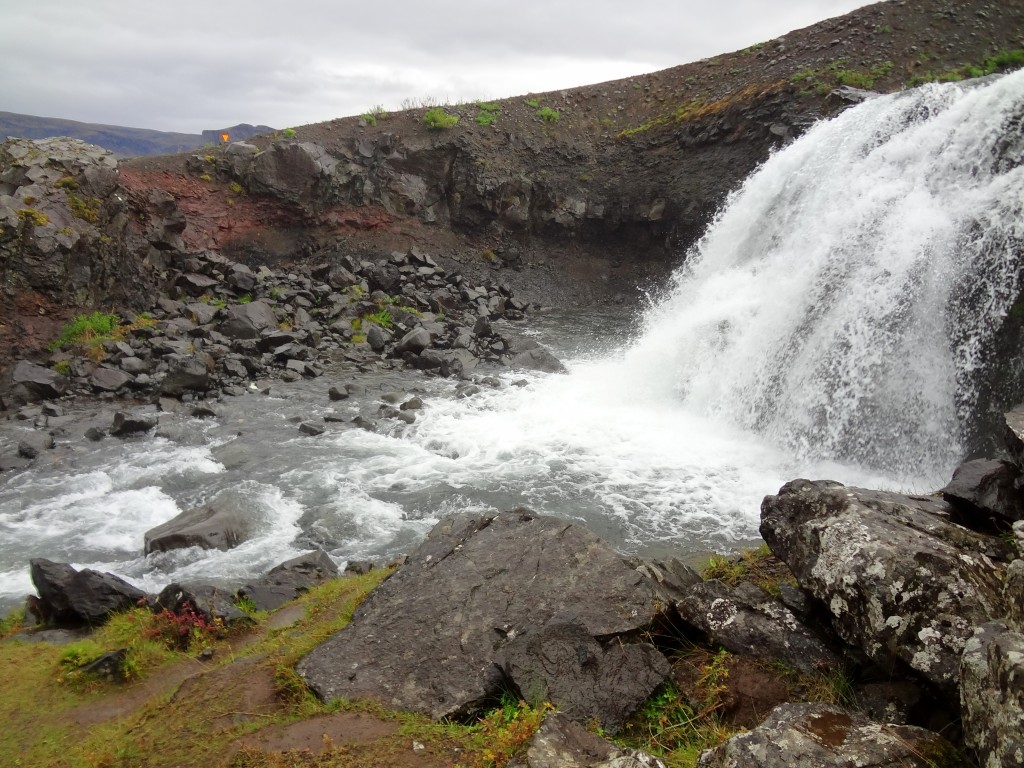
[[184, 65]]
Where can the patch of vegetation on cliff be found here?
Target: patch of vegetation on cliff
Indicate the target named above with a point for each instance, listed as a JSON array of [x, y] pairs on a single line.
[[89, 333], [437, 119], [84, 208], [488, 113], [1000, 62], [758, 566], [374, 114], [698, 109], [31, 217], [823, 79]]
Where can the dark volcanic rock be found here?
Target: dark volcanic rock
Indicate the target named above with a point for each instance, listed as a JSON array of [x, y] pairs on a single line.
[[427, 639], [902, 582], [132, 422], [33, 382], [71, 598], [248, 321], [563, 664], [749, 622], [214, 526], [562, 743], [825, 736], [992, 695], [186, 372], [537, 359], [414, 341], [109, 379], [986, 487], [214, 604]]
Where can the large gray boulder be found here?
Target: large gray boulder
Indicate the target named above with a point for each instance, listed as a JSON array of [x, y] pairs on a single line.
[[291, 578], [992, 695], [186, 372], [429, 638], [71, 598], [214, 526], [31, 382], [749, 622], [902, 582], [987, 489], [813, 735], [248, 321], [562, 743], [563, 664], [297, 172]]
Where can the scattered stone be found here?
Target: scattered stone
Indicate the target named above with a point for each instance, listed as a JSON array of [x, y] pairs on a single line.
[[309, 428], [110, 666], [34, 443], [336, 394], [414, 341], [106, 379], [214, 604]]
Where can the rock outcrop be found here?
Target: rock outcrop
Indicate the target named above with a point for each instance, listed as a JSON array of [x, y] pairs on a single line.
[[902, 582], [430, 638], [71, 598]]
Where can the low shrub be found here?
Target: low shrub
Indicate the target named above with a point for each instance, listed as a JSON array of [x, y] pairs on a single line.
[[548, 115], [437, 119]]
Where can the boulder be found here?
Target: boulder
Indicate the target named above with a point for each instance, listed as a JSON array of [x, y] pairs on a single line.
[[814, 735], [34, 443], [296, 172], [537, 359], [414, 341], [132, 422], [110, 379], [992, 695], [749, 622], [563, 664], [248, 321], [428, 638], [31, 382], [304, 571], [986, 489], [71, 598], [214, 526], [902, 582], [563, 743], [377, 337], [186, 372], [213, 604]]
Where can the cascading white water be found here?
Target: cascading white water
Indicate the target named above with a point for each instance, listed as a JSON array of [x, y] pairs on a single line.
[[844, 302], [836, 321]]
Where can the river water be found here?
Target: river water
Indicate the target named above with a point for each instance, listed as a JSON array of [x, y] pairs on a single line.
[[833, 323]]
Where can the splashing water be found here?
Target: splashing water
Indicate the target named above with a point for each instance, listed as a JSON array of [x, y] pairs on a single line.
[[838, 320]]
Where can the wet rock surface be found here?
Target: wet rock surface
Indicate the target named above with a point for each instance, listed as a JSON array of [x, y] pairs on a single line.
[[992, 695], [466, 593], [70, 598]]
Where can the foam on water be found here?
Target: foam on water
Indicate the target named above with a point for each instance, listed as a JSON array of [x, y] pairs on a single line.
[[834, 322]]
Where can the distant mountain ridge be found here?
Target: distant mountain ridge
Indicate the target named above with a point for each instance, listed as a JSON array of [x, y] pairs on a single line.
[[122, 141]]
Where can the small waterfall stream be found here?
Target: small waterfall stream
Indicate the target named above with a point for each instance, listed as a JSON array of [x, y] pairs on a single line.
[[838, 320]]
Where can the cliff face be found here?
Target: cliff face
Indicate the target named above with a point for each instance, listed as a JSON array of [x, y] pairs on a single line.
[[576, 196]]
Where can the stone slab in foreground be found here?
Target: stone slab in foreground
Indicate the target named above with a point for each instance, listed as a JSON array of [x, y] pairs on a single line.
[[429, 639]]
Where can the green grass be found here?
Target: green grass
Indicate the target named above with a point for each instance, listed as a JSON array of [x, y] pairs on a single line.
[[89, 330], [31, 217], [84, 208], [532, 103], [548, 115], [488, 113], [375, 113], [437, 119], [999, 62], [381, 317]]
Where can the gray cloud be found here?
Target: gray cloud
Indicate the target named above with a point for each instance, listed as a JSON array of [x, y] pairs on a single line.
[[190, 65]]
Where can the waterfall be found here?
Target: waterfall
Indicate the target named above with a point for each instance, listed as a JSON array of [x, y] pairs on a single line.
[[847, 303]]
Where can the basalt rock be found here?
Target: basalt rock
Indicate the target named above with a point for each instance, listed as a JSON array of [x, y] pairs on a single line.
[[986, 490], [992, 695], [563, 664], [562, 743], [33, 382], [749, 622], [430, 637], [71, 598], [214, 526], [132, 422], [901, 581], [813, 735]]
